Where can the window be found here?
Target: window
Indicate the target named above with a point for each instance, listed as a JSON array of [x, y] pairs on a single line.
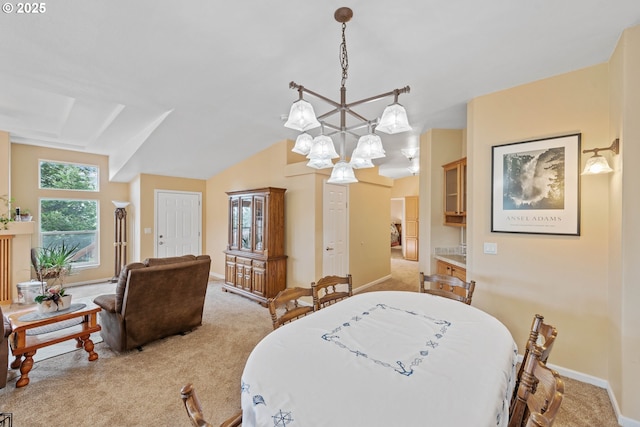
[[73, 221], [68, 176]]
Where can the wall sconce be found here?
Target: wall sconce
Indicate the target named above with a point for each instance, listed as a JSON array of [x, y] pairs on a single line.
[[598, 164]]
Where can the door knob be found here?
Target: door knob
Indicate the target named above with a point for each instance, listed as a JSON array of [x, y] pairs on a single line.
[[329, 249]]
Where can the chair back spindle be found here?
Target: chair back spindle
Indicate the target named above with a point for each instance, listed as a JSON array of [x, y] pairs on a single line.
[[331, 289], [447, 286], [287, 306]]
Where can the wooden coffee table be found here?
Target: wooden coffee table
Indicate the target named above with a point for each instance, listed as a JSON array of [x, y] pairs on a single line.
[[33, 330]]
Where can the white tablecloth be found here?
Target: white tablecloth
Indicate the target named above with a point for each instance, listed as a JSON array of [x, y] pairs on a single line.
[[383, 359]]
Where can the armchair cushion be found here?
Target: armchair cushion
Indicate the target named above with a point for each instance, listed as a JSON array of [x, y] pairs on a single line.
[[106, 302]]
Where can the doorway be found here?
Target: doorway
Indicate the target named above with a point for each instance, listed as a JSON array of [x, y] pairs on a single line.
[[335, 258], [404, 256], [178, 223]]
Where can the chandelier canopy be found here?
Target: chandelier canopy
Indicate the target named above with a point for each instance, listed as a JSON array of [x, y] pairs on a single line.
[[320, 150]]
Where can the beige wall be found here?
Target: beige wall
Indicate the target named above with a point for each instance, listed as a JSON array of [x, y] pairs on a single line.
[[624, 231], [276, 166], [142, 208], [561, 277], [369, 238], [24, 188], [409, 186]]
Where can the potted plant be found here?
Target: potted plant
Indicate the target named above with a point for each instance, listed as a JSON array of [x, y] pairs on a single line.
[[25, 215], [5, 217], [52, 264]]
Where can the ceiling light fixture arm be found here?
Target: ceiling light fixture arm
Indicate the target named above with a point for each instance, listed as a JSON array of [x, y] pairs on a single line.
[[347, 107]]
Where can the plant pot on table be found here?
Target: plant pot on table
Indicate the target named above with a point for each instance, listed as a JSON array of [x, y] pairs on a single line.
[[49, 306]]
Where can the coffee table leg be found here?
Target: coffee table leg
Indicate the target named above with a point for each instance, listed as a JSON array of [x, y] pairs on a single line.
[[88, 347], [16, 362], [25, 367]]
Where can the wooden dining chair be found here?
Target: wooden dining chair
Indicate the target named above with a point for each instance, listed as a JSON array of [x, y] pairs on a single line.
[[328, 290], [542, 335], [286, 306], [194, 410], [539, 394], [447, 286]]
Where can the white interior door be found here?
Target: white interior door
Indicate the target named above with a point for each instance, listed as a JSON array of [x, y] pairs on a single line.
[[178, 223], [335, 260]]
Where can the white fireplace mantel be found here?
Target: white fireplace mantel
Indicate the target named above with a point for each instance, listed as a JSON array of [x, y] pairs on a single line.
[[18, 228]]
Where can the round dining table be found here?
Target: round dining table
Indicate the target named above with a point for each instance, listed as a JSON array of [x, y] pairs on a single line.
[[387, 358]]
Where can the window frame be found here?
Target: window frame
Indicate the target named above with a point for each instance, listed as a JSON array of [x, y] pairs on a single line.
[[97, 168], [96, 232]]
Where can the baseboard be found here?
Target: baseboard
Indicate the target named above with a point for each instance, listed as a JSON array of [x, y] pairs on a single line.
[[627, 422], [370, 284], [598, 382], [216, 275], [88, 282]]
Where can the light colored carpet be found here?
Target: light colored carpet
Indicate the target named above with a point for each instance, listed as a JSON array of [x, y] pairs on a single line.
[[143, 388]]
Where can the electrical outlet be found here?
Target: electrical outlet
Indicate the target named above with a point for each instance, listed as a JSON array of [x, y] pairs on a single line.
[[491, 248]]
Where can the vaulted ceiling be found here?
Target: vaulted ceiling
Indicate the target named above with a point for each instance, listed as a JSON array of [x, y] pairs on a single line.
[[189, 88]]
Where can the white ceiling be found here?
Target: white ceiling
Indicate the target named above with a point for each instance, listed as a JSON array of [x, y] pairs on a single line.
[[189, 88]]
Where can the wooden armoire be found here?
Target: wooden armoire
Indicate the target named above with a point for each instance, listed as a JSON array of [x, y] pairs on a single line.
[[256, 266]]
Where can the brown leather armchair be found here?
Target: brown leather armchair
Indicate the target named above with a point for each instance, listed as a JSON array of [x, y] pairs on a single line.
[[4, 349], [154, 299]]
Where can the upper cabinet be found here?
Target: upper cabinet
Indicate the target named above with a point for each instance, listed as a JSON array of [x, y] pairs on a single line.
[[455, 193]]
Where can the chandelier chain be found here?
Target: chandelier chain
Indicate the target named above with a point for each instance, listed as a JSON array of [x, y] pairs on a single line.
[[344, 58]]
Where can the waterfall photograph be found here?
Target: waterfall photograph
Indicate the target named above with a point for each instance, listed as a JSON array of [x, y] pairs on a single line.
[[535, 186], [534, 179]]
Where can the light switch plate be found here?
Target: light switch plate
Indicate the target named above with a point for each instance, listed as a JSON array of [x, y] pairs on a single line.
[[491, 248]]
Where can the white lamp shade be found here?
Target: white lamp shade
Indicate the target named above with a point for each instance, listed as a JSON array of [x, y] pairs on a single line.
[[302, 117], [320, 163], [414, 169], [303, 144], [120, 204], [411, 152], [342, 174], [322, 149], [595, 165], [370, 147], [360, 163], [394, 119]]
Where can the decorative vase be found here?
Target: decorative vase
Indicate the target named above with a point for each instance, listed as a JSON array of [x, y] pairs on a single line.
[[50, 306]]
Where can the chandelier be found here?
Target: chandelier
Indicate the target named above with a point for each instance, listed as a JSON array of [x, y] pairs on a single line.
[[320, 150]]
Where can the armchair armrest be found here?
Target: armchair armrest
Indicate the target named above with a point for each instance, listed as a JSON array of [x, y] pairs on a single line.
[[107, 302]]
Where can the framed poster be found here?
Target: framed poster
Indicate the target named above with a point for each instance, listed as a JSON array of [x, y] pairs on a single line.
[[536, 186]]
